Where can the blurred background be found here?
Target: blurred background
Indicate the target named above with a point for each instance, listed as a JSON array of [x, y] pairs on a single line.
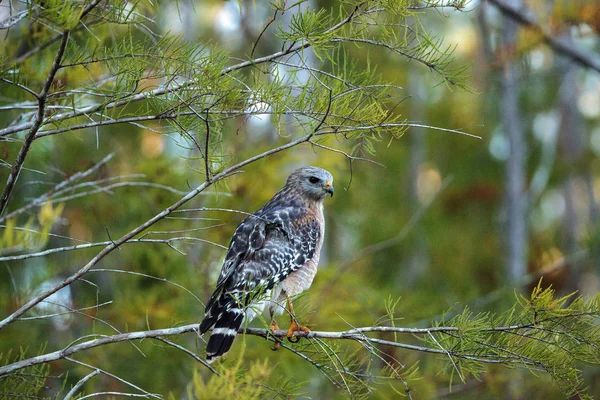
[[449, 221]]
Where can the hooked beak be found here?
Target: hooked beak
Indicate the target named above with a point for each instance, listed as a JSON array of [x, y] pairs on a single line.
[[328, 188]]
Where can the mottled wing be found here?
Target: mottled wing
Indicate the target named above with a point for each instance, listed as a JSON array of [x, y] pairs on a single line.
[[264, 250], [247, 238]]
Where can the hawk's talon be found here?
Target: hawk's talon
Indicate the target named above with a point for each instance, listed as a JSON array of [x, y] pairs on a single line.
[[274, 327], [296, 339], [294, 327]]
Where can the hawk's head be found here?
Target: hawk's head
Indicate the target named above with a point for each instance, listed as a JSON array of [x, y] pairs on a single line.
[[312, 182]]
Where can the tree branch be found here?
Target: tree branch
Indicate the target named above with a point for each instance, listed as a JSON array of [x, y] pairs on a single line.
[[12, 20], [356, 334], [525, 17], [73, 178], [106, 243], [80, 384], [39, 119], [114, 377], [25, 88]]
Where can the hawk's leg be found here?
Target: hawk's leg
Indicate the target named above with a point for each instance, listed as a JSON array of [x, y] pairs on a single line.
[[274, 327], [294, 327]]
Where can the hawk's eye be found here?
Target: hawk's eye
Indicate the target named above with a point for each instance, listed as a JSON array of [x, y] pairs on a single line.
[[313, 179]]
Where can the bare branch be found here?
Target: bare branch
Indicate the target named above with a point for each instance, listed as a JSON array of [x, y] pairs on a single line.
[[188, 352], [66, 352], [151, 277], [525, 17], [36, 125], [106, 189], [348, 156], [206, 143], [12, 20], [80, 384], [114, 377], [212, 209], [88, 396], [71, 311], [264, 29], [93, 124], [356, 334], [394, 125], [73, 178], [142, 118], [25, 88]]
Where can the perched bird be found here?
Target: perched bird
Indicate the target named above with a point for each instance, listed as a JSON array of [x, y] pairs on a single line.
[[273, 256]]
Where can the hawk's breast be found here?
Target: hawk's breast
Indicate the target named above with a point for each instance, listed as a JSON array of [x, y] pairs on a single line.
[[313, 223]]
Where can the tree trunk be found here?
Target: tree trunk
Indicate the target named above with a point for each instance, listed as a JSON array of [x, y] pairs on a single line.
[[571, 150], [516, 200]]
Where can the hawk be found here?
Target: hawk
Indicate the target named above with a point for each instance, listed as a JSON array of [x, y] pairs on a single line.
[[273, 256]]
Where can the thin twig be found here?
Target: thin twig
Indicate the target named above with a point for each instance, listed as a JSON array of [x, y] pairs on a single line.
[[351, 158], [73, 178], [80, 383], [395, 125], [20, 86], [106, 189], [449, 356], [151, 277], [206, 143], [65, 312], [156, 396], [264, 29], [188, 352], [89, 396]]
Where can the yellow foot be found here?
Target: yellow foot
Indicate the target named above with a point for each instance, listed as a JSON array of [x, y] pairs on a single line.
[[294, 327], [274, 327]]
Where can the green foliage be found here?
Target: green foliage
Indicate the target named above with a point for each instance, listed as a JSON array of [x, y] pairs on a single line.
[[349, 101], [235, 381], [28, 382], [542, 333]]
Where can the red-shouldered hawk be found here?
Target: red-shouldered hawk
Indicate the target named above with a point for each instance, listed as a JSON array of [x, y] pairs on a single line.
[[273, 255]]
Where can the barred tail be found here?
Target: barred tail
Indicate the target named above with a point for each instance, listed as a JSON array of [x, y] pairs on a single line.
[[225, 323]]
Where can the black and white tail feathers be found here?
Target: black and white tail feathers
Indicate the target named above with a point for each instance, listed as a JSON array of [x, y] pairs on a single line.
[[225, 319]]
